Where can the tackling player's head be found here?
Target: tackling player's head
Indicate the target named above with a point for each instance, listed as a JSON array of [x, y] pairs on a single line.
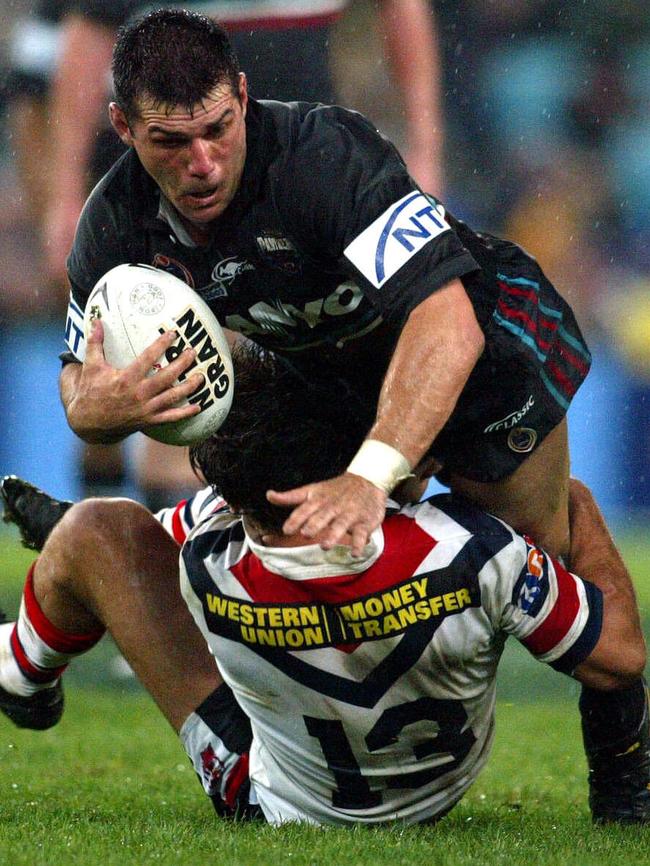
[[281, 432], [171, 57]]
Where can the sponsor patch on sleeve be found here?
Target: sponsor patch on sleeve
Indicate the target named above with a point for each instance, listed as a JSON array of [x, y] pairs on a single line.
[[532, 587], [74, 330], [395, 237]]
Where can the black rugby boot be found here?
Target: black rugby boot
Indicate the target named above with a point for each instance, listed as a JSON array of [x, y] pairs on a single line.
[[39, 711], [619, 771], [34, 512]]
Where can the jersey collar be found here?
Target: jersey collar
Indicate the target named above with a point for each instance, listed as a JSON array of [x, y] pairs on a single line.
[[311, 561]]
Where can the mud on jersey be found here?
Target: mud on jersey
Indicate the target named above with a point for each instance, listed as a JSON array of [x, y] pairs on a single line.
[[370, 682]]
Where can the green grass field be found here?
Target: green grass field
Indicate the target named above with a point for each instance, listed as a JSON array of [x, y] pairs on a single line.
[[110, 784]]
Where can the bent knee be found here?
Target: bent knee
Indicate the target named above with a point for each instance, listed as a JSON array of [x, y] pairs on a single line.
[[99, 522]]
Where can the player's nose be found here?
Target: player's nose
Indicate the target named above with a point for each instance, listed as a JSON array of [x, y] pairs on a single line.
[[201, 162]]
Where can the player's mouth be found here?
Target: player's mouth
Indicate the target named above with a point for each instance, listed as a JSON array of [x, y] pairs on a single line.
[[202, 198]]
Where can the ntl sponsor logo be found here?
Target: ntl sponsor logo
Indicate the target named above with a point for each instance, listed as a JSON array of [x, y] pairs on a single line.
[[395, 237]]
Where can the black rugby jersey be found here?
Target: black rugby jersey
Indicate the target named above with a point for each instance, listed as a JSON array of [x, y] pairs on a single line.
[[315, 178], [326, 248]]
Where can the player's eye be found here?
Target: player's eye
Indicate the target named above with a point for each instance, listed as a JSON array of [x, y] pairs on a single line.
[[169, 143]]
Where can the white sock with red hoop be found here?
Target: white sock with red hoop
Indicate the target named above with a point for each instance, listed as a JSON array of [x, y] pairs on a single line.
[[33, 651]]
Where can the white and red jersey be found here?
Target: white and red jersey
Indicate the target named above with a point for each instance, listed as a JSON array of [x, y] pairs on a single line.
[[370, 682]]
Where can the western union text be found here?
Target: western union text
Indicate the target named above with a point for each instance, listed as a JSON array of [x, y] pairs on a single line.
[[305, 626]]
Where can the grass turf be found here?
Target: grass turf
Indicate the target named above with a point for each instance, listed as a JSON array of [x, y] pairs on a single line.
[[111, 785]]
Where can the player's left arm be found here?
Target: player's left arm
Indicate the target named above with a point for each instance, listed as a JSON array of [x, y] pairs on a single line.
[[435, 353], [408, 30], [584, 624]]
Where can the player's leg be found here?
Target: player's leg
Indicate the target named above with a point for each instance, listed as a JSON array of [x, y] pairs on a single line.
[[109, 565], [615, 724], [535, 498]]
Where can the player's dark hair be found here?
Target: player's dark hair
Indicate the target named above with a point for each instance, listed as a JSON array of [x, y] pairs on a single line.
[[172, 56], [281, 432]]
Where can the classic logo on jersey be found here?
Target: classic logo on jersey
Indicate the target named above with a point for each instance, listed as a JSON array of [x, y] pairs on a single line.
[[532, 586], [395, 237], [274, 243], [74, 330], [313, 626], [513, 418], [173, 267]]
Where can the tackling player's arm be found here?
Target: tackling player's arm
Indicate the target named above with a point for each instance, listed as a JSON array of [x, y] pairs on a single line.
[[584, 623], [619, 657], [103, 404], [436, 351]]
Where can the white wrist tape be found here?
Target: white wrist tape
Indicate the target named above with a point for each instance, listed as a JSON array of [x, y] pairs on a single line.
[[380, 464]]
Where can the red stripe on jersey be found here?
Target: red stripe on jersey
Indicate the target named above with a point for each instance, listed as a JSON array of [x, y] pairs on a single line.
[[576, 362], [559, 621], [529, 324], [236, 779], [405, 546], [54, 637], [33, 672], [178, 530], [561, 379], [517, 291]]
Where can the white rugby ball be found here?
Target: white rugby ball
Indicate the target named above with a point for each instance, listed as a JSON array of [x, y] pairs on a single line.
[[136, 304]]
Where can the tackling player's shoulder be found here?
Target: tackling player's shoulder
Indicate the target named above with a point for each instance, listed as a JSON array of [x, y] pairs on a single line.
[[332, 174]]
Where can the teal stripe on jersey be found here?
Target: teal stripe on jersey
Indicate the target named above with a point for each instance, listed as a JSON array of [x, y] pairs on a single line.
[[575, 344], [520, 332]]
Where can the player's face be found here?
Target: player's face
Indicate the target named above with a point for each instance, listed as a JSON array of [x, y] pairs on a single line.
[[196, 157]]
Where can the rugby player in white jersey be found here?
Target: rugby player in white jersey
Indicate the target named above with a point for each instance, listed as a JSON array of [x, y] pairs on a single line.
[[350, 689]]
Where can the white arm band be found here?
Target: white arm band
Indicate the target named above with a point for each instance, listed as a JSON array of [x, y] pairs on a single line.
[[380, 464]]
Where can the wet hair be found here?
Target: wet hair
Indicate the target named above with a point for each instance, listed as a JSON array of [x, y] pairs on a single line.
[[172, 56], [281, 432]]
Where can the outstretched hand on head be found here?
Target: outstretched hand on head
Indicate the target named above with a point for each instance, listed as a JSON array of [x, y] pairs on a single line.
[[342, 510]]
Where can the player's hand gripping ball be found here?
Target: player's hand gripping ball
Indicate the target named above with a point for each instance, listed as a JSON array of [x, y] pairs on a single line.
[[137, 303]]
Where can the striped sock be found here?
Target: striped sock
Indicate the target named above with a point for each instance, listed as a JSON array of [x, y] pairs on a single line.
[[33, 651]]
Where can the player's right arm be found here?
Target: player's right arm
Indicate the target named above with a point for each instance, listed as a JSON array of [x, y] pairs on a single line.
[[103, 404]]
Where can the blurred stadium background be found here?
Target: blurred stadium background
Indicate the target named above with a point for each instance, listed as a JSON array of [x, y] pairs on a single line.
[[547, 142]]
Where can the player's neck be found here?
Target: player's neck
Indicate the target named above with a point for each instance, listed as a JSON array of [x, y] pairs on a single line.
[[279, 539]]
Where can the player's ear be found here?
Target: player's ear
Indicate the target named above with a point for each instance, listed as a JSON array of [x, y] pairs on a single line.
[[120, 124], [243, 92]]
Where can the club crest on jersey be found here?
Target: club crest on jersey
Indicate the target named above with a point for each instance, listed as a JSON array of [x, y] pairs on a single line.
[[173, 267], [395, 237], [227, 270], [531, 589]]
